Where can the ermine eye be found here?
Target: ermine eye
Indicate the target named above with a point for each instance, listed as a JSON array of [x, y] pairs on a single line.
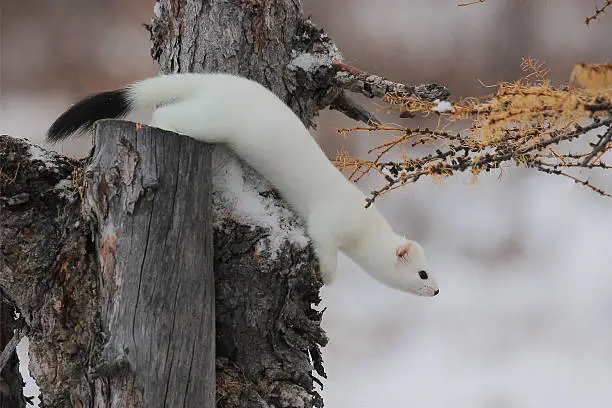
[[423, 274]]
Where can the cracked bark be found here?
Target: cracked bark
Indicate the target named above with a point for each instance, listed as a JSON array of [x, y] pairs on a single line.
[[149, 192]]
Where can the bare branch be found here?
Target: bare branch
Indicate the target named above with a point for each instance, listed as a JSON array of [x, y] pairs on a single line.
[[576, 180], [587, 20], [598, 12], [469, 3], [343, 103], [375, 86], [10, 347], [600, 147]]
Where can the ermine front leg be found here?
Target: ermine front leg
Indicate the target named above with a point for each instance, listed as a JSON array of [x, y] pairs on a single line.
[[163, 118], [328, 262], [325, 247]]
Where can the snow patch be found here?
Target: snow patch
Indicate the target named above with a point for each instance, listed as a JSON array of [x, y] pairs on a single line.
[[443, 107], [63, 184], [40, 154], [67, 189], [294, 396], [157, 10], [311, 62], [239, 193], [30, 388]]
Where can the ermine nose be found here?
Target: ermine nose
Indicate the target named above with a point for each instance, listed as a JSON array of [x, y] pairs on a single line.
[[436, 292]]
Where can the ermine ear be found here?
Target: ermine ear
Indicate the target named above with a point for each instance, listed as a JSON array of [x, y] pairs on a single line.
[[403, 251]]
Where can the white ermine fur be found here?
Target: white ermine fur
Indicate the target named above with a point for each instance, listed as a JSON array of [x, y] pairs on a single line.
[[265, 133]]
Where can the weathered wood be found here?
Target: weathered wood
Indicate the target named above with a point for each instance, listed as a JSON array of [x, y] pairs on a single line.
[[149, 192]]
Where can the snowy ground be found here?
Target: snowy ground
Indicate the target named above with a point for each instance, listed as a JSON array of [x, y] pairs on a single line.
[[524, 315], [530, 331]]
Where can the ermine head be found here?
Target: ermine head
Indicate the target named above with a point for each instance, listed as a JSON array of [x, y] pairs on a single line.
[[410, 272]]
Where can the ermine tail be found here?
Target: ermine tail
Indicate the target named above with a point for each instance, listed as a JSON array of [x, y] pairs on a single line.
[[118, 103]]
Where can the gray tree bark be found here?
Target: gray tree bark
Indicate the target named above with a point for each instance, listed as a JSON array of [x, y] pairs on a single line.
[[48, 270], [270, 42]]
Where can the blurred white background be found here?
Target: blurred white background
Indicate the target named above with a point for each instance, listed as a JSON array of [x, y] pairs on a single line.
[[524, 315]]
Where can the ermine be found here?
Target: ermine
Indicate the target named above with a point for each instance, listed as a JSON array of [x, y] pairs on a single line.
[[266, 134]]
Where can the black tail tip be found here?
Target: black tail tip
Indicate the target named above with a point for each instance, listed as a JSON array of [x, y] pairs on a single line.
[[82, 115]]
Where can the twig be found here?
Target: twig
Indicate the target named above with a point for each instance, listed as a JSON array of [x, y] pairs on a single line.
[[518, 125], [343, 103], [600, 147], [12, 180], [598, 11], [576, 180], [471, 2], [10, 347], [375, 86], [598, 107]]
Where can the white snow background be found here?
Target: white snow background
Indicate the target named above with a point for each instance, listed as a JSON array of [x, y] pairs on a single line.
[[532, 331]]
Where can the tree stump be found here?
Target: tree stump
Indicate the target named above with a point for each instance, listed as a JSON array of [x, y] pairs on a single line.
[[149, 191]]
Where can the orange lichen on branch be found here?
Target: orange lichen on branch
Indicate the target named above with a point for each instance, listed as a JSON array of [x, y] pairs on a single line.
[[517, 125]]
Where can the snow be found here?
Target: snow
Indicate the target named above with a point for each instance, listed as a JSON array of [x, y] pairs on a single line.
[[240, 191], [47, 157], [157, 10], [31, 388], [310, 62], [63, 184], [443, 107], [37, 153]]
